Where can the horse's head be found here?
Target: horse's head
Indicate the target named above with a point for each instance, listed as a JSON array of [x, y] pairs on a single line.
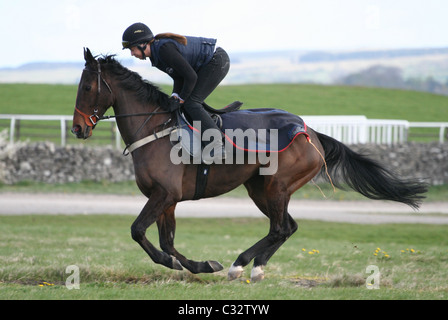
[[93, 99]]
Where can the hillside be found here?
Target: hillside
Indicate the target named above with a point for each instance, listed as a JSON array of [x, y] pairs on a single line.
[[297, 98], [320, 67]]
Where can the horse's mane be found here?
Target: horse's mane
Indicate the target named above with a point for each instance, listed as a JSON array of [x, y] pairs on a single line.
[[144, 90]]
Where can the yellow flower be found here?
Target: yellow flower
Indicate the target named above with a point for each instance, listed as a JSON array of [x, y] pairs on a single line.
[[303, 249], [412, 250]]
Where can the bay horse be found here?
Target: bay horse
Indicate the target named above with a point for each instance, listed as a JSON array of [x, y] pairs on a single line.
[[141, 109]]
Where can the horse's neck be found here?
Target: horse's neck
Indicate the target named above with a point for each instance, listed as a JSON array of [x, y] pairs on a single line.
[[134, 127]]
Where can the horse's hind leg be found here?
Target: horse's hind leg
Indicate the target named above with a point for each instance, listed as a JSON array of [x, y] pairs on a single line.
[[282, 226], [167, 228], [288, 227]]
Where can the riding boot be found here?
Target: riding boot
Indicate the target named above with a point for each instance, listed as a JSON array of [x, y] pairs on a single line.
[[197, 113]]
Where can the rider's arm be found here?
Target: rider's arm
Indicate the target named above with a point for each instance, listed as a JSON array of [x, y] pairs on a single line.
[[183, 74]]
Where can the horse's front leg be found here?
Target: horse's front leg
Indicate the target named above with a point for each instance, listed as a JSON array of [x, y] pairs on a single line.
[[167, 228], [157, 204]]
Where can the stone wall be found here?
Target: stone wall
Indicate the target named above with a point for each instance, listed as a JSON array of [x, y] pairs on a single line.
[[428, 161], [45, 162]]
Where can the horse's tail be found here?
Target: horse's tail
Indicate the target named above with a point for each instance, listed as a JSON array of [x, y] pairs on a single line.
[[367, 176]]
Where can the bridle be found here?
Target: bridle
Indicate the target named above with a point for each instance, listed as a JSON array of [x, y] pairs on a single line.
[[93, 119]]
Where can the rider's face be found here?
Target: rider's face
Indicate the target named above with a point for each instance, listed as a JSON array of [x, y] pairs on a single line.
[[136, 52]]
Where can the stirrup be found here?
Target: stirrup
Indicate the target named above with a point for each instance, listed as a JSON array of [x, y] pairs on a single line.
[[210, 158]]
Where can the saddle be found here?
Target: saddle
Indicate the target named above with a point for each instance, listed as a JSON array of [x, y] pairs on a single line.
[[188, 137], [236, 105], [250, 130]]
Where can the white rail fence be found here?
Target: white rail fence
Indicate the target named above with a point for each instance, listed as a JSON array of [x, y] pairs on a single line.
[[347, 129], [62, 120], [359, 129]]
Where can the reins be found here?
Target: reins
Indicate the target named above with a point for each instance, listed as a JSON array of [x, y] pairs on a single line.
[[137, 144], [133, 115], [93, 119]]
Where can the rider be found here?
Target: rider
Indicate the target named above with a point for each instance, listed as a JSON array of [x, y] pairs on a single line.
[[193, 64]]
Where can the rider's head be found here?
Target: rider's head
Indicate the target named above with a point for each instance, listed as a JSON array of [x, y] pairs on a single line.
[[136, 38]]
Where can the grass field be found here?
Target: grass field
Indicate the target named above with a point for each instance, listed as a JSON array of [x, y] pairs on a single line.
[[296, 98], [321, 261], [299, 99]]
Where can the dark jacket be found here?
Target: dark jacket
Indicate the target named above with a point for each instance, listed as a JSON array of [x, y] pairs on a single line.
[[198, 52], [182, 62]]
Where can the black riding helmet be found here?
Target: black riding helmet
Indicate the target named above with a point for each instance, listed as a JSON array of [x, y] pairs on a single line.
[[137, 34]]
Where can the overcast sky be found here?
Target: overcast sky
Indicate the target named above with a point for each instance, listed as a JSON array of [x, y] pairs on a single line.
[[57, 30]]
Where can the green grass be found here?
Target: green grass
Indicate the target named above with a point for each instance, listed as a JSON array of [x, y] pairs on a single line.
[[300, 99], [37, 99], [37, 249]]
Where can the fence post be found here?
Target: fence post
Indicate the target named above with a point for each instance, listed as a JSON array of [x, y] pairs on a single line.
[[16, 135], [12, 130], [63, 132], [442, 134]]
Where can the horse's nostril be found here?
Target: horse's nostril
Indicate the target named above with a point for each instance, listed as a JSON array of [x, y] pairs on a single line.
[[76, 130]]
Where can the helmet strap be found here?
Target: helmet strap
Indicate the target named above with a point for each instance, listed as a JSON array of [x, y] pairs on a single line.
[[142, 49]]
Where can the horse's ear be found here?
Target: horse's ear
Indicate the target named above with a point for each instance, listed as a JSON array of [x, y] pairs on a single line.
[[88, 55]]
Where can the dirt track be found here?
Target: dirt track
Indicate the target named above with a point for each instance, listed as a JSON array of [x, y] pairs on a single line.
[[366, 212]]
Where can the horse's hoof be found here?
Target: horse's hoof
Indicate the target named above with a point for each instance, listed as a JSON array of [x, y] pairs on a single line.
[[176, 264], [234, 272], [215, 265], [257, 274]]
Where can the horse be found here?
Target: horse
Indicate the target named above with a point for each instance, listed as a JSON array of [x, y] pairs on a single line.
[[141, 110]]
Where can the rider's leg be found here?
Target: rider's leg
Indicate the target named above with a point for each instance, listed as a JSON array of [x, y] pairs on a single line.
[[209, 78]]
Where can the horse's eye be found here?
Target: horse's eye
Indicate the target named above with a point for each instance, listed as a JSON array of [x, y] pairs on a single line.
[[87, 88]]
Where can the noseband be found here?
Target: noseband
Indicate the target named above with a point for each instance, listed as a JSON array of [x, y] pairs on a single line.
[[93, 119]]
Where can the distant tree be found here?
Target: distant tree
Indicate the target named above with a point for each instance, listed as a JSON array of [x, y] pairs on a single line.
[[375, 76], [391, 77]]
